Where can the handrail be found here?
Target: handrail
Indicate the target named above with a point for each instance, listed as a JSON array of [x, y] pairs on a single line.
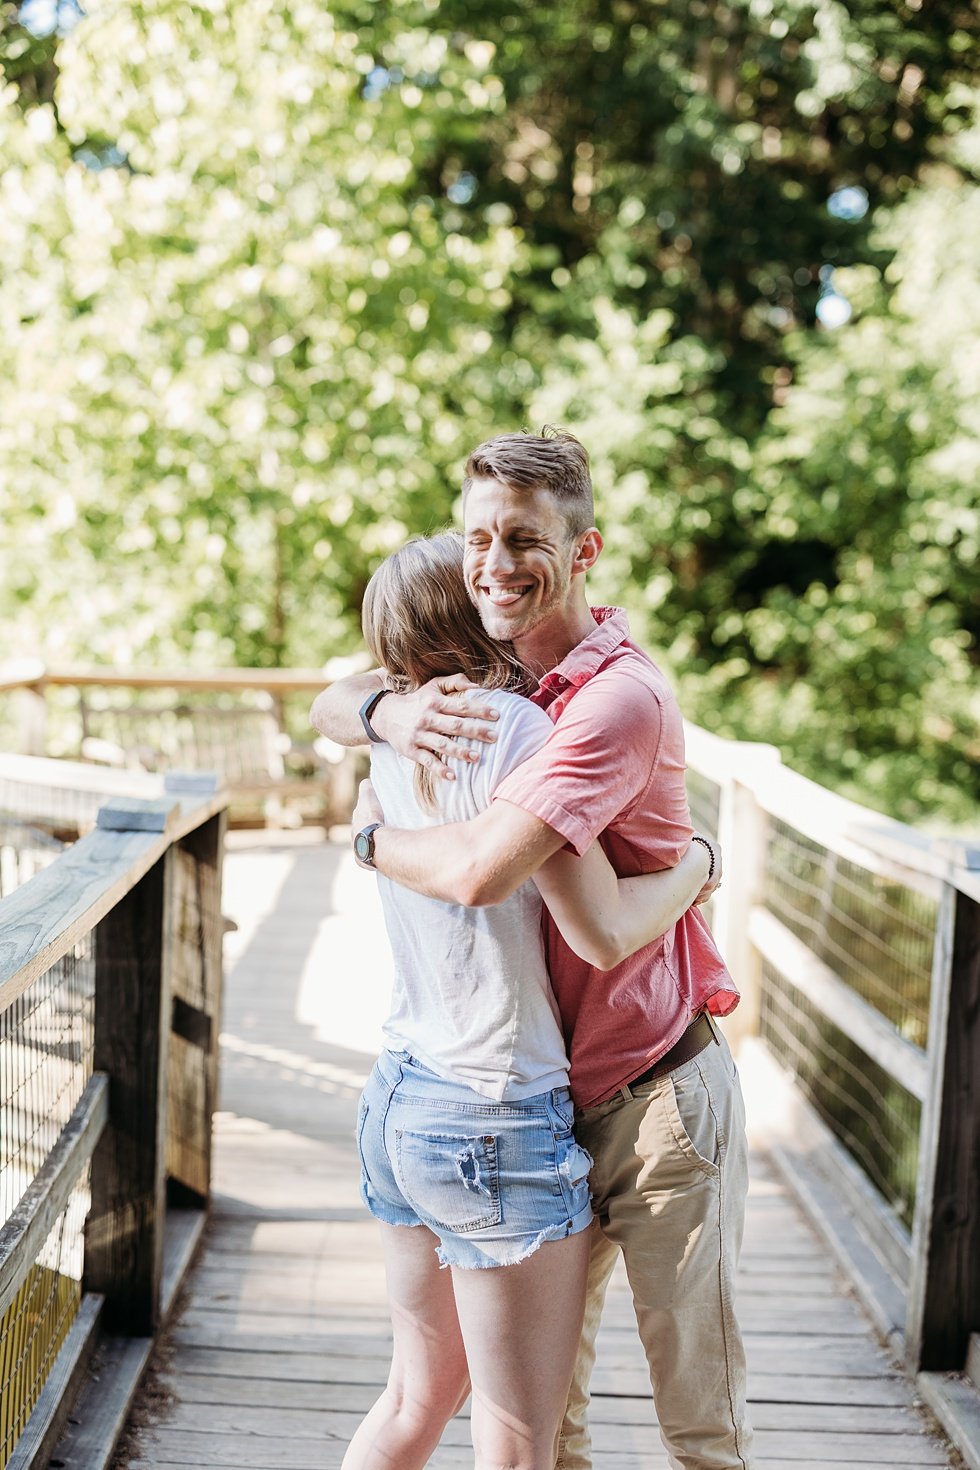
[[133, 908], [45, 917], [78, 777], [935, 1305], [885, 846], [31, 674]]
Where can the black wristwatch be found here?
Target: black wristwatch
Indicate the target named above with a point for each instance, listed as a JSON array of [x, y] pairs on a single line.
[[364, 844], [367, 709]]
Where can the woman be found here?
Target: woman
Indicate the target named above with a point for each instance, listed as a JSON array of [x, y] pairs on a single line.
[[464, 1131]]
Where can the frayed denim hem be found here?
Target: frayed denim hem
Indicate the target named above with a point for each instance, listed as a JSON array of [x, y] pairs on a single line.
[[521, 1247]]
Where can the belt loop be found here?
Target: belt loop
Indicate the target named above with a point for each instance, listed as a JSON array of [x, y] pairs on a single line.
[[625, 1093], [716, 1034]]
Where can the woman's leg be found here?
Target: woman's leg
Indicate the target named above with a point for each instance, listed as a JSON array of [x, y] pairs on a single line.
[[521, 1327], [428, 1380]]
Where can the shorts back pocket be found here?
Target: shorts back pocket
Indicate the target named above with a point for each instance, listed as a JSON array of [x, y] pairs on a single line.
[[451, 1179]]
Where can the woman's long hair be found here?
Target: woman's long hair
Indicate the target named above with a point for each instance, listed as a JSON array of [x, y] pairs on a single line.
[[419, 623]]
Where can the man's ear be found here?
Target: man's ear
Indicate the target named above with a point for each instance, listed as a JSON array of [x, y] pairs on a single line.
[[587, 550]]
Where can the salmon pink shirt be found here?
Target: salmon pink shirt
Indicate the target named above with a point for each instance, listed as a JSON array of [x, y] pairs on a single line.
[[613, 769]]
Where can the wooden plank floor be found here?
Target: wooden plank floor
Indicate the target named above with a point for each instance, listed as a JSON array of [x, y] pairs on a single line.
[[282, 1341]]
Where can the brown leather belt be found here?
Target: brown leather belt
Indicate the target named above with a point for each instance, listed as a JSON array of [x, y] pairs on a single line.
[[695, 1039]]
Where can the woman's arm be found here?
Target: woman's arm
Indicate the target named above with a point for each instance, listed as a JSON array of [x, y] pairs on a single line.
[[604, 918]]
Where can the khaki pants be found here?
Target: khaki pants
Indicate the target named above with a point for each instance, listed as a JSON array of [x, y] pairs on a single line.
[[668, 1189]]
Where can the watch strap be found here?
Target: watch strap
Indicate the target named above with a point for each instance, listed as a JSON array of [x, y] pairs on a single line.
[[367, 710]]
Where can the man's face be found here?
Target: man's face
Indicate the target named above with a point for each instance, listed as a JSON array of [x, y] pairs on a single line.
[[517, 559]]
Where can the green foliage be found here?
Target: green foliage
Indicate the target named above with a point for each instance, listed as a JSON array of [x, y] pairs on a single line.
[[875, 456], [267, 272], [680, 155], [816, 589], [243, 363]]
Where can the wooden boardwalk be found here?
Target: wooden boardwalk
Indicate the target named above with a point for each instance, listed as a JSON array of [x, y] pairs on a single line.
[[281, 1341]]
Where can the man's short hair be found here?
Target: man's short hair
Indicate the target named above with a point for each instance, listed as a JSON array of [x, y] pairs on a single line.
[[552, 460]]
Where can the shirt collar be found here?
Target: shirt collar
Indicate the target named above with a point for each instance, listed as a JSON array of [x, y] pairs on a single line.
[[588, 657]]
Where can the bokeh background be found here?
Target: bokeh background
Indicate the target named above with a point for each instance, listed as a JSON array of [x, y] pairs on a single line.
[[268, 271]]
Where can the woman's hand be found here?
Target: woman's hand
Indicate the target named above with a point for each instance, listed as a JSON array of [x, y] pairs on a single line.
[[367, 810], [433, 724]]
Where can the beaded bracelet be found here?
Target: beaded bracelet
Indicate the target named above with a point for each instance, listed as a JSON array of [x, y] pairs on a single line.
[[710, 850]]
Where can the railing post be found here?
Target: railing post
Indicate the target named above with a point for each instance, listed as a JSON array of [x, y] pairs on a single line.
[[743, 830], [944, 1286], [133, 959], [197, 990]]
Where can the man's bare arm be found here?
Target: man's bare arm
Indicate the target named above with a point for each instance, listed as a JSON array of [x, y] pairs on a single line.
[[335, 711], [431, 726], [476, 863]]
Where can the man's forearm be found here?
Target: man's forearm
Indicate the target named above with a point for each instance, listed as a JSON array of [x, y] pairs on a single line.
[[335, 712], [475, 863], [432, 861]]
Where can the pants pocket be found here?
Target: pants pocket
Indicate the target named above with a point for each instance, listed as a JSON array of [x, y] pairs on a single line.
[[693, 1122], [452, 1179]]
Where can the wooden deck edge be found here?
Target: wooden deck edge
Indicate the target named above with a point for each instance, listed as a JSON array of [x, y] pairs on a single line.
[[102, 1408], [956, 1404], [100, 1401], [814, 1166], [182, 1237], [43, 1429], [882, 1297]]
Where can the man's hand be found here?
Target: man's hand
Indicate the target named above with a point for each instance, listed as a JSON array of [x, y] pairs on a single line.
[[432, 725], [368, 810], [715, 880]]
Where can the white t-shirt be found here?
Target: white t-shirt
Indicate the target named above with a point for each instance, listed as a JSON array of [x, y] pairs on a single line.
[[472, 999]]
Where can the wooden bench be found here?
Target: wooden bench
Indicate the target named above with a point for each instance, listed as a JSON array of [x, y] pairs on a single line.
[[237, 736]]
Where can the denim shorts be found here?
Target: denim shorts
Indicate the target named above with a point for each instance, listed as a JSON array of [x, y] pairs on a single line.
[[493, 1181]]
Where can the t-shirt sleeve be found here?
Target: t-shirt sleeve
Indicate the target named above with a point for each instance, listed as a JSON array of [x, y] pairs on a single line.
[[596, 762]]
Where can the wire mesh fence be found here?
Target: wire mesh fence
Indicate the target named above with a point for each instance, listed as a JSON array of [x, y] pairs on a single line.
[[876, 935], [24, 850], [872, 1115], [704, 800], [36, 1323], [46, 1054]]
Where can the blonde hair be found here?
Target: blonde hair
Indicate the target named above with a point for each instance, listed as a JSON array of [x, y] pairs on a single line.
[[553, 460], [419, 624]]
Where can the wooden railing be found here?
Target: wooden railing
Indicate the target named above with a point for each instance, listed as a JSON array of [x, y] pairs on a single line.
[[110, 988], [233, 722], [856, 942]]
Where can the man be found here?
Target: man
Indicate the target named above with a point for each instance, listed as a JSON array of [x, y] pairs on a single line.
[[658, 1101]]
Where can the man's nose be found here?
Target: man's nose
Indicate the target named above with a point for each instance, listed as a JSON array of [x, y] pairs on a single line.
[[500, 560]]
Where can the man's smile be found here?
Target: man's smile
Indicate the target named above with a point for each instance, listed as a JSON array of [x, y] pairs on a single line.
[[505, 596]]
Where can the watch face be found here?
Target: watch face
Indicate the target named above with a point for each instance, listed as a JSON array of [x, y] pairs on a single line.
[[363, 846]]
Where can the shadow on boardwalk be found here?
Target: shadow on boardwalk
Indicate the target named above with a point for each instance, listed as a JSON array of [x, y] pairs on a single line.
[[282, 1340]]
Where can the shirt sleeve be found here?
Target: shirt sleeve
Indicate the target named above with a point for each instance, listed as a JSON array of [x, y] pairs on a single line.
[[597, 761]]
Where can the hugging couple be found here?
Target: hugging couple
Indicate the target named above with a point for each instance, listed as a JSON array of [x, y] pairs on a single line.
[[540, 879]]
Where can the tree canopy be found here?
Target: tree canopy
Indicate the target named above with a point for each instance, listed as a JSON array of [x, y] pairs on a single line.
[[269, 272]]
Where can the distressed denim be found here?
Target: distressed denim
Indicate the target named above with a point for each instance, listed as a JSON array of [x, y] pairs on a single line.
[[493, 1181], [668, 1188]]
